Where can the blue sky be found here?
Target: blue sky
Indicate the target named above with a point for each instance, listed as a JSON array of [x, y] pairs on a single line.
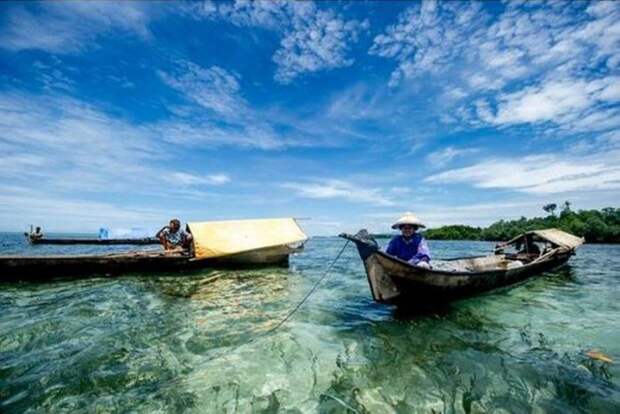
[[125, 114]]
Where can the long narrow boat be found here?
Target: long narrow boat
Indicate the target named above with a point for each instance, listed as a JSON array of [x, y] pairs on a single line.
[[393, 280], [239, 243], [44, 267], [100, 242]]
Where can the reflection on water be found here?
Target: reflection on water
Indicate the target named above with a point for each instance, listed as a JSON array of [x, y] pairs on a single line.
[[201, 342]]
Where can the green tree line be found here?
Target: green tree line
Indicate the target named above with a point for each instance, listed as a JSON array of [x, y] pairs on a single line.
[[597, 226]]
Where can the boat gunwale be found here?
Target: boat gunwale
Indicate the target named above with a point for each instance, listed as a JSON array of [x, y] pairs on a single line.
[[422, 270]]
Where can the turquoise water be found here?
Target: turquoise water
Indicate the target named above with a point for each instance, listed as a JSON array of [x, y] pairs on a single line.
[[174, 343]]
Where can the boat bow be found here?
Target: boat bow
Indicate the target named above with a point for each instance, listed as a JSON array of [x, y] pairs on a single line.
[[365, 243]]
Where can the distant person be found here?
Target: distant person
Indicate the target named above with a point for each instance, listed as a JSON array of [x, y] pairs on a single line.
[[172, 237], [524, 246], [104, 234], [409, 245], [36, 235], [527, 246]]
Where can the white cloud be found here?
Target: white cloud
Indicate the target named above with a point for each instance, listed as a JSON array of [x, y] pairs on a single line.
[[69, 27], [185, 179], [542, 103], [20, 207], [542, 174], [217, 114], [212, 88], [361, 102], [531, 63], [205, 133], [428, 36], [339, 189], [563, 102], [318, 42], [228, 119], [62, 143], [312, 39], [446, 155], [265, 14]]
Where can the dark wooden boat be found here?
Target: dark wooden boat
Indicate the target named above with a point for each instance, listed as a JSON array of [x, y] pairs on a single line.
[[101, 242], [393, 280], [228, 243], [35, 268]]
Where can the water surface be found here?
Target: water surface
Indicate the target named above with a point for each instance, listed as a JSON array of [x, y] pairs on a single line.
[[199, 342]]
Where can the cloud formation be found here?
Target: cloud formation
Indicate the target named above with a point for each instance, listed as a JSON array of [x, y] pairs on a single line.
[[339, 189], [533, 63], [65, 144], [212, 88], [444, 156], [428, 36], [70, 27], [312, 39], [539, 174]]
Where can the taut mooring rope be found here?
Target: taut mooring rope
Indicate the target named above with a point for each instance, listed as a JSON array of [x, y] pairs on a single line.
[[296, 308], [310, 292], [225, 353]]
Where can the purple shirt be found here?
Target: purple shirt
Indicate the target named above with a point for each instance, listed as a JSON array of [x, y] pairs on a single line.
[[413, 250]]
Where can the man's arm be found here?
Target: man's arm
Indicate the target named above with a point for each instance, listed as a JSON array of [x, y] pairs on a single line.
[[161, 235], [160, 232]]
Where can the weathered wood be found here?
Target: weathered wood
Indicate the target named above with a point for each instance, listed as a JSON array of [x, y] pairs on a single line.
[[393, 280], [43, 267], [102, 242]]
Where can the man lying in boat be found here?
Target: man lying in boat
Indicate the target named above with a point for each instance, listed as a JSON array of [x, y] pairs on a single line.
[[524, 246], [410, 246], [173, 238]]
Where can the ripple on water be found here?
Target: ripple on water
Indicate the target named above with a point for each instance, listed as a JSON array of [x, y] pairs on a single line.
[[187, 343]]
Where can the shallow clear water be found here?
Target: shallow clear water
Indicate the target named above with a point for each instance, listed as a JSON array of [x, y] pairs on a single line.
[[181, 343]]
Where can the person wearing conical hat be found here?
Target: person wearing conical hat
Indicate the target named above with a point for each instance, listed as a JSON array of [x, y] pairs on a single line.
[[410, 246]]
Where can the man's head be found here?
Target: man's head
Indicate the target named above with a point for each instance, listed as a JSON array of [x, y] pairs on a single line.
[[175, 225], [408, 230]]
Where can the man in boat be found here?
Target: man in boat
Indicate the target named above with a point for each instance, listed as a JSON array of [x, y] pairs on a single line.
[[36, 235], [172, 237], [525, 246], [410, 246]]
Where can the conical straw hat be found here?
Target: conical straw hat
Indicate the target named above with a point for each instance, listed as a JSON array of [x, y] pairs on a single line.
[[408, 218]]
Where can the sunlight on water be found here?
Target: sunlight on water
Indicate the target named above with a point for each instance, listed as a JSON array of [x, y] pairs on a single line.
[[198, 342]]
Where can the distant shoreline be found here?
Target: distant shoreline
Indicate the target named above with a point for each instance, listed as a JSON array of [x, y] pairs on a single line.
[[389, 236], [595, 226]]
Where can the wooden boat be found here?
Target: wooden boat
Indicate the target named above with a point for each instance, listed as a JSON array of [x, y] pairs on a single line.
[[100, 242], [238, 243], [393, 280], [44, 267]]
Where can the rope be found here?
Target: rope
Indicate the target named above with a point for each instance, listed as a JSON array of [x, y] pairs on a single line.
[[292, 311], [310, 292], [225, 353]]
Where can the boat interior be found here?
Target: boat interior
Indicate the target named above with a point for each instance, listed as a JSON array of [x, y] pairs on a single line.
[[483, 263], [507, 256]]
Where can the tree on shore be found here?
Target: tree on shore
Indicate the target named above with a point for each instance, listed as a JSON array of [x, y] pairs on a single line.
[[597, 226], [550, 208]]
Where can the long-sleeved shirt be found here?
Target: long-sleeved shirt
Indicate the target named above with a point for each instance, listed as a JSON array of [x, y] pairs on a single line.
[[413, 250]]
